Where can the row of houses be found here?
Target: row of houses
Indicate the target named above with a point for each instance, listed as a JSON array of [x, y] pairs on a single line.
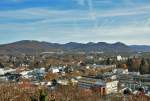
[[119, 80], [106, 83], [101, 86]]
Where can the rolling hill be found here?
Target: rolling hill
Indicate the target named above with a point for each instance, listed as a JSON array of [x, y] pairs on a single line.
[[36, 47]]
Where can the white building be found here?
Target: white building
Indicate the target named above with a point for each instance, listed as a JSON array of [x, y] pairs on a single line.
[[103, 87], [39, 70], [111, 87], [134, 73], [119, 58], [90, 57], [120, 71], [63, 82], [87, 67], [54, 70], [4, 71], [27, 74]]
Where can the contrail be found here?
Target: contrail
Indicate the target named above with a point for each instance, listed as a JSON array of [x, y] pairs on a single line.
[[129, 2], [91, 11], [92, 14], [81, 2], [148, 22]]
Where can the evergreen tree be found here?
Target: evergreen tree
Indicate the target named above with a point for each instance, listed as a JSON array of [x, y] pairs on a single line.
[[129, 64], [52, 98], [144, 67], [43, 96], [108, 62], [33, 98]]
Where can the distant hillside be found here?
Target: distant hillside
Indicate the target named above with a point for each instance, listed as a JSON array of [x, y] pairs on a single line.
[[96, 47], [36, 47], [140, 48], [27, 47]]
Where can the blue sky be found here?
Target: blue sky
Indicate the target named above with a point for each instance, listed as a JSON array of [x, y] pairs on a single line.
[[83, 21]]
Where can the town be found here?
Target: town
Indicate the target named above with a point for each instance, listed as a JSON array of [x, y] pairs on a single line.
[[74, 50], [58, 75]]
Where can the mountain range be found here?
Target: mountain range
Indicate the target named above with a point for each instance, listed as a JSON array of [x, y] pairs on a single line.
[[36, 47]]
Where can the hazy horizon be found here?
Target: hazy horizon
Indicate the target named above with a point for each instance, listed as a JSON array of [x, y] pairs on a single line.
[[74, 42], [82, 21]]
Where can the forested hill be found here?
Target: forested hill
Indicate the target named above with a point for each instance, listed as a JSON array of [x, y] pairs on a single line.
[[36, 47]]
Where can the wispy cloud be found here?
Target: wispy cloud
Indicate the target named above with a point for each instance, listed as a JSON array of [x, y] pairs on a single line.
[[80, 2], [83, 25], [9, 1], [60, 15]]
